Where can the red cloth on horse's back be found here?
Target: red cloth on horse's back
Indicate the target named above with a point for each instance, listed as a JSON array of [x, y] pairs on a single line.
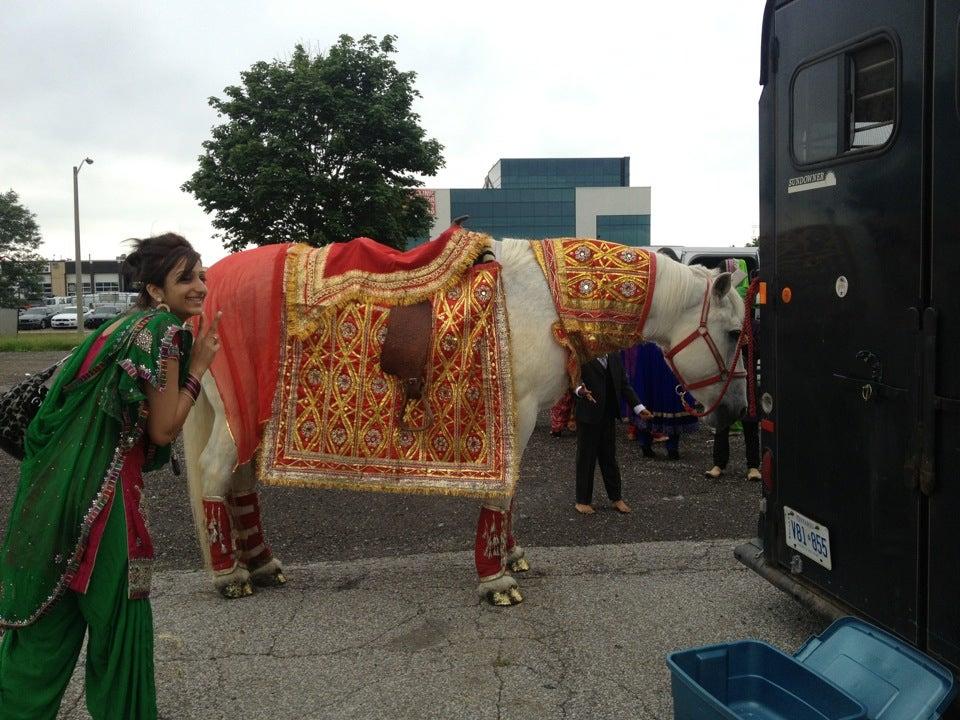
[[370, 256], [248, 288]]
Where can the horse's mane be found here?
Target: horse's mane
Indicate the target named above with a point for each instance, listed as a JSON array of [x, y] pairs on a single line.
[[676, 282], [512, 251]]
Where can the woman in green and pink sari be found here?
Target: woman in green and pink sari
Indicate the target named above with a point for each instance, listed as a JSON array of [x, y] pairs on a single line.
[[77, 553]]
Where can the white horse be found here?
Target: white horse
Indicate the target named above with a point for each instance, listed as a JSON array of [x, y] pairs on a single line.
[[689, 303]]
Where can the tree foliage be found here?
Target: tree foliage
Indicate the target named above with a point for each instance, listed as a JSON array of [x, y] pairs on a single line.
[[320, 148], [20, 266]]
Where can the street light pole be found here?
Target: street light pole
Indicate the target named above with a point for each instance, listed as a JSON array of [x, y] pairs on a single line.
[[77, 274]]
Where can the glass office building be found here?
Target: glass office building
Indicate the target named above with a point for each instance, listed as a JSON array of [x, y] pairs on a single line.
[[537, 198], [510, 174]]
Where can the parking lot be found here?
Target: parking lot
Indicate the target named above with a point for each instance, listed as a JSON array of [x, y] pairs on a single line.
[[671, 501]]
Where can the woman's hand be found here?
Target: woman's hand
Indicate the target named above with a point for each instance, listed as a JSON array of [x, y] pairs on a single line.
[[205, 347], [169, 408]]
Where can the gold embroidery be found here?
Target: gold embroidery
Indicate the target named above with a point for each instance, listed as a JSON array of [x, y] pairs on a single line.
[[335, 413], [144, 341], [602, 292], [139, 577], [308, 293]]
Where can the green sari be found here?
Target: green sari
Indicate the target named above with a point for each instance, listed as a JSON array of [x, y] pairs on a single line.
[[75, 448]]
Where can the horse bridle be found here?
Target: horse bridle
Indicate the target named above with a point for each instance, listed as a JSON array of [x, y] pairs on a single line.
[[724, 375]]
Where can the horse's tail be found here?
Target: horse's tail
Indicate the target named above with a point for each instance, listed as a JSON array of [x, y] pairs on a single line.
[[196, 433]]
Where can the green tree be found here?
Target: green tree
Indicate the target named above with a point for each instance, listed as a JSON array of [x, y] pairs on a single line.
[[318, 149], [20, 266]]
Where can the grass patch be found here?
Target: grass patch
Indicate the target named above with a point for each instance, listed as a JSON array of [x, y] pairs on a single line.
[[34, 342]]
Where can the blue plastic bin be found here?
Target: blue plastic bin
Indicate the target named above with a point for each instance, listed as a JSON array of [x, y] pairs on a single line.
[[852, 670], [751, 679]]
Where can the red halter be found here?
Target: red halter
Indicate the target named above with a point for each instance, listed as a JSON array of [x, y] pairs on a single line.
[[723, 375]]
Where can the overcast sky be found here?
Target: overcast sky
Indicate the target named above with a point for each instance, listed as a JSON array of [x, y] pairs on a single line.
[[672, 85]]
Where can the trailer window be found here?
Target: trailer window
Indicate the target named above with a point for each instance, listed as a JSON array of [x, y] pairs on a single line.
[[815, 117], [845, 103], [873, 95]]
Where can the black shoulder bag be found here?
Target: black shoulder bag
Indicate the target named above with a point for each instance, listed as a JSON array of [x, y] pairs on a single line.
[[18, 406]]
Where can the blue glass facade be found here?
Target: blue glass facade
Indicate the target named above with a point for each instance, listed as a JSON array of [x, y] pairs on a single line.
[[625, 229], [531, 214], [542, 173], [550, 198]]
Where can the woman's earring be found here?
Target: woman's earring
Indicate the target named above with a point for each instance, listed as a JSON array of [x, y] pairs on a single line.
[[163, 307]]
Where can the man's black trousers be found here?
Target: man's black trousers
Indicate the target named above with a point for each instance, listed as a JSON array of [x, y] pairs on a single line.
[[597, 442]]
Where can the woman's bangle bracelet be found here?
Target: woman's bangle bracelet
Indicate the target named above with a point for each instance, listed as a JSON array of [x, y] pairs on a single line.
[[192, 386], [193, 400]]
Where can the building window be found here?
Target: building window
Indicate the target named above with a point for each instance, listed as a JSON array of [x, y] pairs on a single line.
[[108, 287], [845, 103], [624, 229], [72, 288], [517, 213]]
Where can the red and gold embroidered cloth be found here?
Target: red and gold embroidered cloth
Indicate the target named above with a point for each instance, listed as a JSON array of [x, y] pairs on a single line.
[[602, 292], [249, 288], [366, 271], [335, 422]]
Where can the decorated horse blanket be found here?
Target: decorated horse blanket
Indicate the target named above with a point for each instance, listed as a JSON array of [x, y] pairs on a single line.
[[602, 293], [334, 420]]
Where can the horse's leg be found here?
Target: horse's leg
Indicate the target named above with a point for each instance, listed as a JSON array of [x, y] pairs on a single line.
[[244, 500], [515, 558], [211, 457], [496, 547], [496, 584]]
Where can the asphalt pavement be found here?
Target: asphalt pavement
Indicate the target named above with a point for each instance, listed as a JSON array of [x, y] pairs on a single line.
[[380, 617], [406, 637]]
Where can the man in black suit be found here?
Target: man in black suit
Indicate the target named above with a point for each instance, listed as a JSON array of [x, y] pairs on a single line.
[[603, 384]]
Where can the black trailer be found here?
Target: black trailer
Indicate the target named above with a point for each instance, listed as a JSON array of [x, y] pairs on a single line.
[[860, 330]]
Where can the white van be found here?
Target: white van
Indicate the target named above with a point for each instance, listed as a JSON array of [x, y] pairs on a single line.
[[711, 257]]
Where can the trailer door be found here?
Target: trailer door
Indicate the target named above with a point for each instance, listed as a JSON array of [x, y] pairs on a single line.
[[941, 466], [848, 215]]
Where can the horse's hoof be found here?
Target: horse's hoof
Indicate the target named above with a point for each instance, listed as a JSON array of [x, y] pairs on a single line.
[[501, 598], [274, 579], [515, 596], [520, 565], [236, 590]]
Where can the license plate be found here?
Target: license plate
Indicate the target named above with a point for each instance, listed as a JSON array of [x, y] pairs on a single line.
[[807, 537]]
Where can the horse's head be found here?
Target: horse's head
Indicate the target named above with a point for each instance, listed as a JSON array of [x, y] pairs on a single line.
[[703, 343]]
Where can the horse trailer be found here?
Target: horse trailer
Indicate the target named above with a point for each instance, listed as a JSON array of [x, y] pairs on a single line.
[[860, 239]]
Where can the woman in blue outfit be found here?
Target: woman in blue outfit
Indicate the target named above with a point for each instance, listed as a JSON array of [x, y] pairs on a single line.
[[656, 386]]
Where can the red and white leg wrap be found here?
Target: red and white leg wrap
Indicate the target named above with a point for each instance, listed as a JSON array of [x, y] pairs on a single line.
[[252, 547], [491, 540], [513, 551], [223, 556]]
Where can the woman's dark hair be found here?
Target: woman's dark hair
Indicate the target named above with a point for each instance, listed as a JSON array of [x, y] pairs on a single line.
[[153, 258]]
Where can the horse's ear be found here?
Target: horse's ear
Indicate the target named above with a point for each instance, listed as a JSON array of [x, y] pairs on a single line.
[[721, 285]]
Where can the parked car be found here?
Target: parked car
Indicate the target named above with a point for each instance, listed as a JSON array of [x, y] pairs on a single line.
[[101, 315], [66, 318], [711, 257], [36, 318]]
